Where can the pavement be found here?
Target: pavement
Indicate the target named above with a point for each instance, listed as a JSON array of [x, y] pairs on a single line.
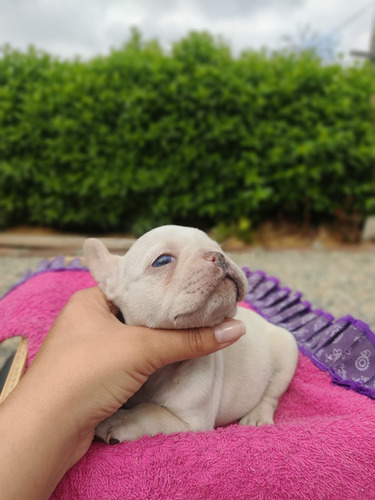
[[340, 281]]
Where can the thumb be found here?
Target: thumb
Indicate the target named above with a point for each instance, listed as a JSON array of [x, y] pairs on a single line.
[[177, 345]]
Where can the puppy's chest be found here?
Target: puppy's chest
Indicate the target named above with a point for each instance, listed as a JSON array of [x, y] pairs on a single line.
[[161, 386]]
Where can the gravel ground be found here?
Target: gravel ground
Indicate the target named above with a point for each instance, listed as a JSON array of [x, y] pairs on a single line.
[[340, 282]]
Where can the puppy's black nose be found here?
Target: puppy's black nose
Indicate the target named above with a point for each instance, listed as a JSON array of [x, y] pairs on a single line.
[[217, 258]]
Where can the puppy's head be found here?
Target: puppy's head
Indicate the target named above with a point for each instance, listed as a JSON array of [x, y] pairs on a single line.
[[172, 277]]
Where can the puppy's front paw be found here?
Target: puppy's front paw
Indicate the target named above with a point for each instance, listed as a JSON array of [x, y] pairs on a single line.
[[118, 428], [262, 414], [256, 418]]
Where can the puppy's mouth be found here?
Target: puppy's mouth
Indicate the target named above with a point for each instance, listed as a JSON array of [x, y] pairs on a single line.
[[230, 278]]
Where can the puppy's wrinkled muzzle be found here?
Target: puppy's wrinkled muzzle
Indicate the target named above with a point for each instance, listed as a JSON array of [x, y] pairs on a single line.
[[220, 261]]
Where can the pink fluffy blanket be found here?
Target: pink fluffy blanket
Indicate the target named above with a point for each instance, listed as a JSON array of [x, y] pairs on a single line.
[[322, 446]]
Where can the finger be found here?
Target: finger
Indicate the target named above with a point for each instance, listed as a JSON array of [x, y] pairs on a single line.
[[170, 346]]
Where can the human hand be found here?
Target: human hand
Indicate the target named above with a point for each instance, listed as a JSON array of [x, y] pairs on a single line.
[[88, 366], [95, 363]]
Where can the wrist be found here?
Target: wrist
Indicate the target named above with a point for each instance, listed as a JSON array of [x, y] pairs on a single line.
[[40, 436]]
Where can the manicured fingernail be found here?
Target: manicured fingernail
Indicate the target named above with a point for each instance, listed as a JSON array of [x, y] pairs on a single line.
[[229, 330]]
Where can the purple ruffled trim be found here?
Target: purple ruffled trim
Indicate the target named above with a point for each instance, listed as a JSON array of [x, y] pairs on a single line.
[[345, 347], [47, 265]]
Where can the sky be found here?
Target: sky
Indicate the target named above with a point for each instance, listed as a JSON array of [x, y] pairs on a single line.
[[85, 28]]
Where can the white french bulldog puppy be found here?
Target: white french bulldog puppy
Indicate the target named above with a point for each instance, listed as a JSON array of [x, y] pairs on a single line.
[[177, 277]]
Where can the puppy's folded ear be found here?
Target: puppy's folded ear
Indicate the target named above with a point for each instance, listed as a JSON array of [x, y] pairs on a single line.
[[102, 265]]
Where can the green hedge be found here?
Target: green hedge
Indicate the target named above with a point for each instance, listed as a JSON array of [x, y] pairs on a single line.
[[143, 137]]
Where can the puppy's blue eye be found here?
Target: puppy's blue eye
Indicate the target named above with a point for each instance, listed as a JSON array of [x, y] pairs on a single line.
[[162, 260]]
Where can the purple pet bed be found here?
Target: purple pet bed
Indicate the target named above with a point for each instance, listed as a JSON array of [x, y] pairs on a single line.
[[322, 443]]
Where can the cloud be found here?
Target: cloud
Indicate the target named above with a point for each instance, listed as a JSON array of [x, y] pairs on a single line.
[[242, 23], [52, 23], [238, 8], [89, 27]]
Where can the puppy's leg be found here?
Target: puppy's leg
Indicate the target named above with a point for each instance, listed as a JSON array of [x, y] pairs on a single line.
[[285, 355], [265, 409], [144, 419]]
